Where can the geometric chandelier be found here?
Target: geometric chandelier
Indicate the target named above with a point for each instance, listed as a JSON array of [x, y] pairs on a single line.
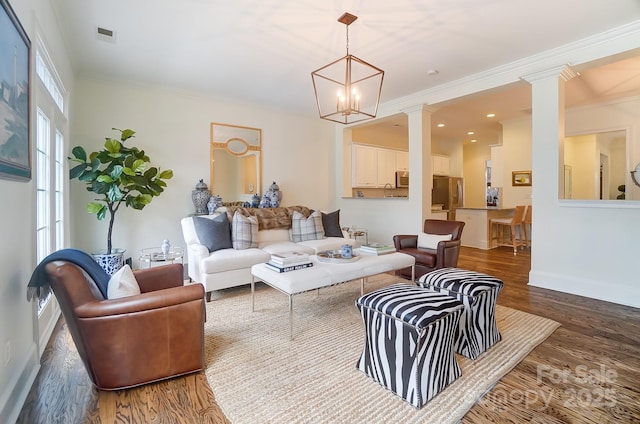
[[348, 89]]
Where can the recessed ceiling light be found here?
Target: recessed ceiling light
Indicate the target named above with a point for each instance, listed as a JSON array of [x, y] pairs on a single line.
[[440, 125], [473, 140], [491, 115], [470, 133]]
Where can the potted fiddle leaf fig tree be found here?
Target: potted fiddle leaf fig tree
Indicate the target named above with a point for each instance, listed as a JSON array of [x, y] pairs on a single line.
[[119, 175]]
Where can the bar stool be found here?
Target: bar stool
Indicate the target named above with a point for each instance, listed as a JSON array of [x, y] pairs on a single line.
[[499, 225], [526, 224]]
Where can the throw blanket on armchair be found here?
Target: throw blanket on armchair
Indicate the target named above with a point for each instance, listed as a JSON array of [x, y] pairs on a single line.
[[39, 283]]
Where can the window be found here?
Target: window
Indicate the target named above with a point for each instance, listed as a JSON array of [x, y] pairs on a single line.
[[43, 230], [50, 182]]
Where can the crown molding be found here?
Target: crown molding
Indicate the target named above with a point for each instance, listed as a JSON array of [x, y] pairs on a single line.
[[623, 39]]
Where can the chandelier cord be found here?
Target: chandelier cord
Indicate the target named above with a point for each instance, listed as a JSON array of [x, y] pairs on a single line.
[[347, 40]]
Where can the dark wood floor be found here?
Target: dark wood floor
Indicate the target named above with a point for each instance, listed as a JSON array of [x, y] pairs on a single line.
[[588, 371]]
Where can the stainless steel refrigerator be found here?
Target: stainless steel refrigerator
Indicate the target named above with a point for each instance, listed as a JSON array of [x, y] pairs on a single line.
[[449, 192]]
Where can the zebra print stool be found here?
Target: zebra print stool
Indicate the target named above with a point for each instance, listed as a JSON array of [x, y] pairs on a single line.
[[409, 335], [478, 329]]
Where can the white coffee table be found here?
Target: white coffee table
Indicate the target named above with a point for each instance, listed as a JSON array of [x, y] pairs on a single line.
[[324, 274]]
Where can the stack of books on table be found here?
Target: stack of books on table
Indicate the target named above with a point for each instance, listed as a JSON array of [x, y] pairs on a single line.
[[377, 249], [289, 261]]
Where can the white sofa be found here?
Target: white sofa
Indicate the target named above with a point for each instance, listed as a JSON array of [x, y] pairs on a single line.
[[230, 267]]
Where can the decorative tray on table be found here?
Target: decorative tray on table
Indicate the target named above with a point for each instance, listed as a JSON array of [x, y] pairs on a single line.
[[335, 256]]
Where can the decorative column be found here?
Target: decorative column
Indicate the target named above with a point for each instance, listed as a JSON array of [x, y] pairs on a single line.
[[547, 147], [420, 166], [547, 126]]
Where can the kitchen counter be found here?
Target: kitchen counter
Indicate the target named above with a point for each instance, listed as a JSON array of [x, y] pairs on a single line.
[[487, 208], [477, 228]]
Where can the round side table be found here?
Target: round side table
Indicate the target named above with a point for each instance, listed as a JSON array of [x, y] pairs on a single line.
[[153, 256]]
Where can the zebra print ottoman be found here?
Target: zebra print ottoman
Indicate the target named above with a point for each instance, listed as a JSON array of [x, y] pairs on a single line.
[[409, 335], [478, 329]]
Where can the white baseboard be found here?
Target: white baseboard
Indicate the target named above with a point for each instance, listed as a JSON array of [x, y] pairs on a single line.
[[15, 393], [608, 291]]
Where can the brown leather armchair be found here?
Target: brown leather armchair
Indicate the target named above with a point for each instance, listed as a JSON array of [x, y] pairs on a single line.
[[133, 340], [446, 254]]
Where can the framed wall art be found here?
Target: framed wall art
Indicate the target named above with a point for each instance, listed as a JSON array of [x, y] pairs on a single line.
[[15, 150], [521, 178]]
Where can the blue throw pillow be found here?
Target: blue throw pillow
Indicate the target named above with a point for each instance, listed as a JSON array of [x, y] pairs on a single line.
[[214, 233]]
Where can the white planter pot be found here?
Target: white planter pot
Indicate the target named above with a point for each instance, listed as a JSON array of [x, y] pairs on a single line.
[[111, 263]]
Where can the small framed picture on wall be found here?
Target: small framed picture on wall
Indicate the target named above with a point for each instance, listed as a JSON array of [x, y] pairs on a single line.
[[521, 178]]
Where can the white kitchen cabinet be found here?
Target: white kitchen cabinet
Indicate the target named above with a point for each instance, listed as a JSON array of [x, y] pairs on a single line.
[[440, 165], [402, 161], [364, 166], [386, 167], [374, 166]]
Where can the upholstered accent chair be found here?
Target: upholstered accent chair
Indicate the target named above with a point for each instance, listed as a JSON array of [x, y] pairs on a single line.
[[133, 340], [437, 247]]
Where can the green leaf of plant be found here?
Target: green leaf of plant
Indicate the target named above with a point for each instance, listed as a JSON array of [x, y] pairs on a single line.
[[79, 153], [150, 173], [114, 194], [145, 199], [76, 171], [112, 145], [127, 134], [95, 164], [105, 179], [116, 172], [93, 207], [88, 177], [100, 188], [102, 213], [156, 189], [128, 171], [139, 166], [135, 202], [140, 180], [166, 174]]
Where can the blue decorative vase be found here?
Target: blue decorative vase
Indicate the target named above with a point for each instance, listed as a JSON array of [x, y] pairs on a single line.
[[200, 197], [255, 200], [211, 205], [346, 251], [274, 200], [166, 247], [275, 188], [265, 202], [112, 262]]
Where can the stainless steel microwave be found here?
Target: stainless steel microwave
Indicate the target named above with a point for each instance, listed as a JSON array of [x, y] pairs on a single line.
[[402, 179]]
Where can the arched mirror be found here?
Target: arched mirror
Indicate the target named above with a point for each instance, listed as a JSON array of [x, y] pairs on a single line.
[[236, 162]]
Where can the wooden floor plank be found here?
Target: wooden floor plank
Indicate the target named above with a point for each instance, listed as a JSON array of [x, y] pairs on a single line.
[[546, 387]]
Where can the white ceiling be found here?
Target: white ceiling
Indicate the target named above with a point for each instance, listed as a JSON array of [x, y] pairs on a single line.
[[263, 51]]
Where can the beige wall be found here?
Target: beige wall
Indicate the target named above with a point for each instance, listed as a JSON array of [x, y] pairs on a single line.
[[581, 154], [173, 128], [396, 138], [516, 154]]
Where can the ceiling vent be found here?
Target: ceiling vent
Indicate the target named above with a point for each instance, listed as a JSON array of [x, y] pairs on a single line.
[[105, 34]]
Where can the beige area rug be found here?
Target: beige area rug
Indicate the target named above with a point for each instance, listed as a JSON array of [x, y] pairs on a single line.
[[259, 376]]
